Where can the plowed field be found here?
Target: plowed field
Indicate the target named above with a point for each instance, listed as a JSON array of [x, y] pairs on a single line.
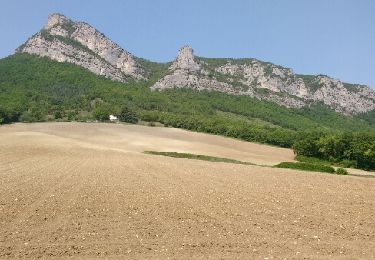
[[87, 190]]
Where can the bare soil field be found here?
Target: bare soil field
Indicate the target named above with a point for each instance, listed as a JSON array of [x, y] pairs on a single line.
[[87, 190]]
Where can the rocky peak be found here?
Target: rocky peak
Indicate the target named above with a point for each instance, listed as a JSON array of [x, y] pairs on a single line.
[[54, 20], [64, 40], [185, 60], [187, 72]]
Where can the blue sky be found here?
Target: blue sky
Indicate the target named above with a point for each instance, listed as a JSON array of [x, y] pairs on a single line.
[[333, 37]]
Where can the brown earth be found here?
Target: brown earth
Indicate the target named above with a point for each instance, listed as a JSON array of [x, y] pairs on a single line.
[[86, 190]]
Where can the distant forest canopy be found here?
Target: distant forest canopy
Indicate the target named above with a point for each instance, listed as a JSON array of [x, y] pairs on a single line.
[[34, 89]]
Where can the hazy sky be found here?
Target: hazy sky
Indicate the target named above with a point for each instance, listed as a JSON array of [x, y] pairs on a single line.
[[333, 37]]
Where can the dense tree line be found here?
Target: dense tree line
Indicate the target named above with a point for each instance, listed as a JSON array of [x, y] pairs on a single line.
[[224, 126], [352, 149], [34, 89]]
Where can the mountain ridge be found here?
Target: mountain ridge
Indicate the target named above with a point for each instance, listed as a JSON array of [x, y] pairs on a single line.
[[265, 81], [64, 40]]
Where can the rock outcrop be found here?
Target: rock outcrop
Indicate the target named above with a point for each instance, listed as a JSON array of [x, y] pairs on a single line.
[[63, 40], [186, 72], [265, 81], [333, 93]]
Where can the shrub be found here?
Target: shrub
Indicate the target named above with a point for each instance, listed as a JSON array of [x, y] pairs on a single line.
[[72, 115], [306, 167], [314, 160], [341, 171], [348, 164], [26, 117], [58, 115], [101, 113], [31, 116], [128, 115]]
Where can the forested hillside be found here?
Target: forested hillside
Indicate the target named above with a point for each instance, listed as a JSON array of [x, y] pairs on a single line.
[[39, 89]]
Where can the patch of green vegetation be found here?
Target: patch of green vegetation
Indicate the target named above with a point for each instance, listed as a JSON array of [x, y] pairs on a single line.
[[329, 119], [265, 92], [128, 115], [154, 70], [197, 157], [255, 84], [368, 117], [267, 70], [354, 149], [314, 160], [341, 171], [68, 26], [220, 125], [352, 87], [250, 120], [217, 62], [47, 36], [311, 81], [306, 167], [236, 80], [233, 80], [214, 62]]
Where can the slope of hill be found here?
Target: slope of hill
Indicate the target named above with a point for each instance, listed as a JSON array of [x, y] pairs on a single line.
[[73, 190]]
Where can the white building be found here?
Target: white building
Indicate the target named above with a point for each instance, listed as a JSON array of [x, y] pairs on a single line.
[[113, 118]]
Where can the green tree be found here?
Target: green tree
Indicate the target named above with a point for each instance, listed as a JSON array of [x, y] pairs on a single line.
[[101, 113], [72, 115], [128, 115], [2, 116], [307, 144], [368, 160], [58, 114], [27, 117]]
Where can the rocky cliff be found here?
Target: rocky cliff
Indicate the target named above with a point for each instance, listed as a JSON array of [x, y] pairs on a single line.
[[186, 72], [63, 40], [265, 81]]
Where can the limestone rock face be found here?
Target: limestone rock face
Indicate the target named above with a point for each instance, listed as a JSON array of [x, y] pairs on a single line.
[[333, 93], [55, 20], [63, 40], [266, 76], [186, 72], [62, 52], [264, 81], [106, 49], [185, 60]]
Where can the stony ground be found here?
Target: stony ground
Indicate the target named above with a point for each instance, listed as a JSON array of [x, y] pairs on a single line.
[[86, 190]]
